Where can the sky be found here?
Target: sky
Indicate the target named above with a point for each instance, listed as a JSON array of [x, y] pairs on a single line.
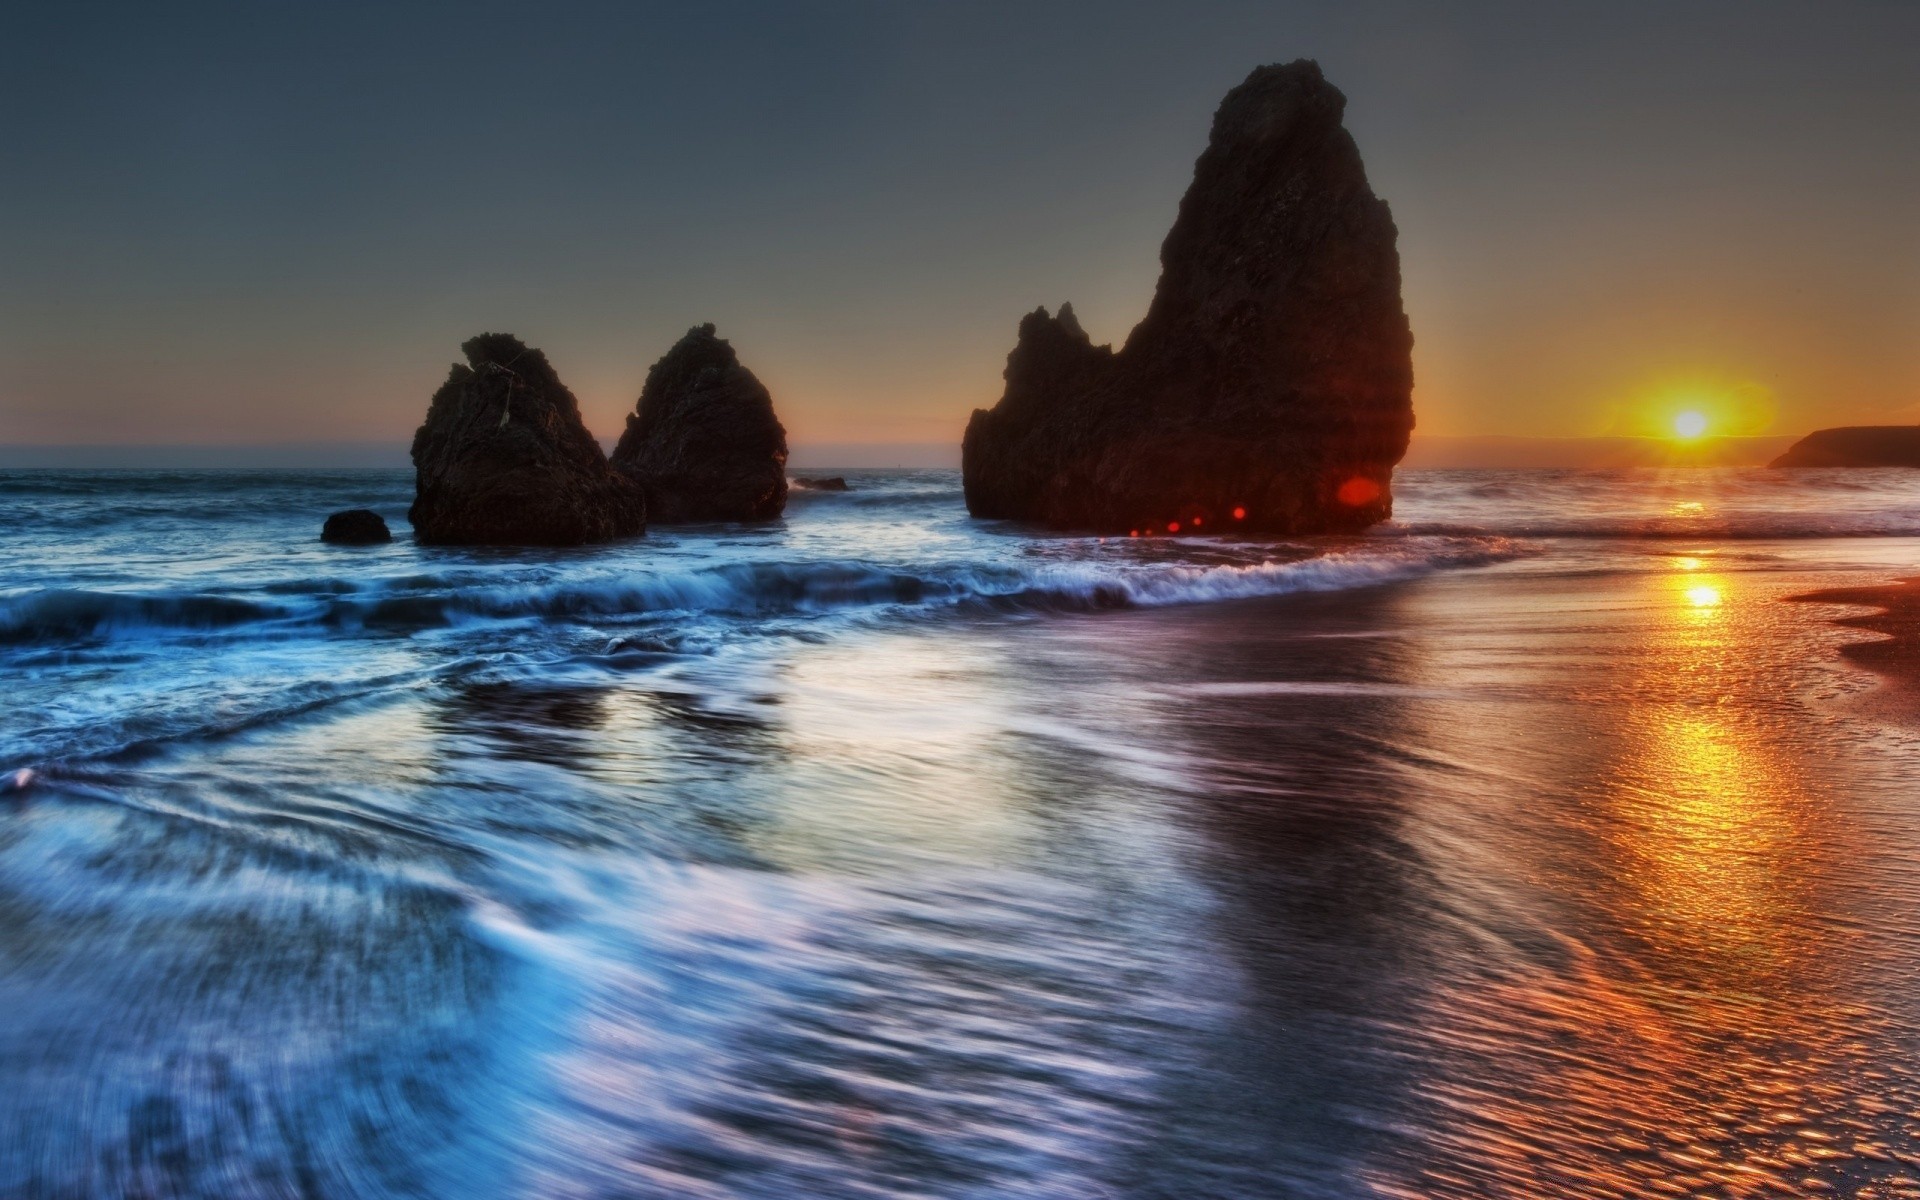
[[274, 223]]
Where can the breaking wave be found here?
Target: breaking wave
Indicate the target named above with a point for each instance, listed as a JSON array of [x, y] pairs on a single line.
[[61, 614], [1740, 528], [735, 590], [1734, 504]]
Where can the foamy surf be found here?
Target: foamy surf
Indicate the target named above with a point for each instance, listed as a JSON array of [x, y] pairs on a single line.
[[735, 590], [274, 651]]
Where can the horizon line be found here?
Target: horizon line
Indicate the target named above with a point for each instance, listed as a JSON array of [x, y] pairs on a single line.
[[1426, 451]]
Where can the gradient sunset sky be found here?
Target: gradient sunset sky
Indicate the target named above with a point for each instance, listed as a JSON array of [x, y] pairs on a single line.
[[267, 222]]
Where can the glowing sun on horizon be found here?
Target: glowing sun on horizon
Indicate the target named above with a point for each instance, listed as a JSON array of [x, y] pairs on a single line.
[[1690, 424]]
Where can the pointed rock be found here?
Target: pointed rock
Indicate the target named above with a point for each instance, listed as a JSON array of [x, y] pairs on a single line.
[[504, 459], [1269, 387], [703, 441]]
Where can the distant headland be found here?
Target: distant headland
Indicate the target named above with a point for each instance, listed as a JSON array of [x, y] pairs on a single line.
[[1855, 446]]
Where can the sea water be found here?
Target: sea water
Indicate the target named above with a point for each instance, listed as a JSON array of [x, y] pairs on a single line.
[[1531, 844]]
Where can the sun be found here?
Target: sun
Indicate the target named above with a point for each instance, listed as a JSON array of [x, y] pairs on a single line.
[[1690, 424]]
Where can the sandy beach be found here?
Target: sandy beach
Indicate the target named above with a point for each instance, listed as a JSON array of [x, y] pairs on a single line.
[[1896, 656], [1533, 846]]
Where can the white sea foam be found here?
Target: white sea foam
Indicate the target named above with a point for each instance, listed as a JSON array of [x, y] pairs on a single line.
[[740, 590]]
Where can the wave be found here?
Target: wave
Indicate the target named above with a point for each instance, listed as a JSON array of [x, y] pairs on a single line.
[[1734, 504], [1786, 526], [741, 590], [892, 494], [62, 614]]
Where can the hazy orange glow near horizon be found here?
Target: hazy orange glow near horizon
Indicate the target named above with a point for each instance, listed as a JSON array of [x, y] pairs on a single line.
[[1606, 219]]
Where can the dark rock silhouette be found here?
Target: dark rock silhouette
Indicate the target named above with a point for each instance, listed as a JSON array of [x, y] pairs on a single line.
[[356, 527], [703, 441], [1269, 386], [503, 458], [1855, 446], [829, 483]]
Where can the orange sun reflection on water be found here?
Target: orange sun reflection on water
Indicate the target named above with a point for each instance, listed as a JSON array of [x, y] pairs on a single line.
[[1694, 1043], [1709, 812]]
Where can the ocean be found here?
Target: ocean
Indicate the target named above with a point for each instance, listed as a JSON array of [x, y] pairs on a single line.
[[1529, 845]]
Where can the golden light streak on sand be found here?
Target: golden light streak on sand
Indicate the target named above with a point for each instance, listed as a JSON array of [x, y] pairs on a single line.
[[1662, 1059]]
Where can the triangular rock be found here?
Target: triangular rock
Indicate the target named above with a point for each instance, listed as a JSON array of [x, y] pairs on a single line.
[[504, 459], [703, 440]]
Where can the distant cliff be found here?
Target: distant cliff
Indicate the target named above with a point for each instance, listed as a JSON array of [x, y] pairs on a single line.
[[1855, 446], [1270, 385]]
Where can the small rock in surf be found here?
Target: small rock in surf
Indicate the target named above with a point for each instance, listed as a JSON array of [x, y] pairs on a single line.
[[356, 527]]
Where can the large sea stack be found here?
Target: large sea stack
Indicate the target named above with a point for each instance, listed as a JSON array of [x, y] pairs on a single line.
[[504, 459], [1855, 446], [703, 441], [1269, 387]]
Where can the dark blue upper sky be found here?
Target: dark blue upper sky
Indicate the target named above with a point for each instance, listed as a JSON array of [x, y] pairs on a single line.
[[268, 222]]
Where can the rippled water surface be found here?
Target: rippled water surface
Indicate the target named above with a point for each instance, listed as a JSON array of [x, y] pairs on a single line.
[[1532, 846]]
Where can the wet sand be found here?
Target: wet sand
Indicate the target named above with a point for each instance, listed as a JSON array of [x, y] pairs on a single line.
[[1561, 878], [1894, 657]]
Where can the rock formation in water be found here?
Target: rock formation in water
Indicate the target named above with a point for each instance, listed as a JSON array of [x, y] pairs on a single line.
[[703, 441], [356, 527], [822, 483], [1855, 446], [1269, 387], [503, 458]]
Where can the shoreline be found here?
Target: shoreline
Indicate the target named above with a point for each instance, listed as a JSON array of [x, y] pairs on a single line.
[[1895, 657]]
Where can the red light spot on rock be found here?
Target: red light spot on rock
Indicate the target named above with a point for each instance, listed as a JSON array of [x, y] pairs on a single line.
[[1239, 514], [1196, 522], [1357, 491], [1173, 527]]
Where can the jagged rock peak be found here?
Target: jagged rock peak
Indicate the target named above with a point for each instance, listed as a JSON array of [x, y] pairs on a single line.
[[491, 353], [1272, 374], [703, 441], [504, 459], [1070, 324]]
